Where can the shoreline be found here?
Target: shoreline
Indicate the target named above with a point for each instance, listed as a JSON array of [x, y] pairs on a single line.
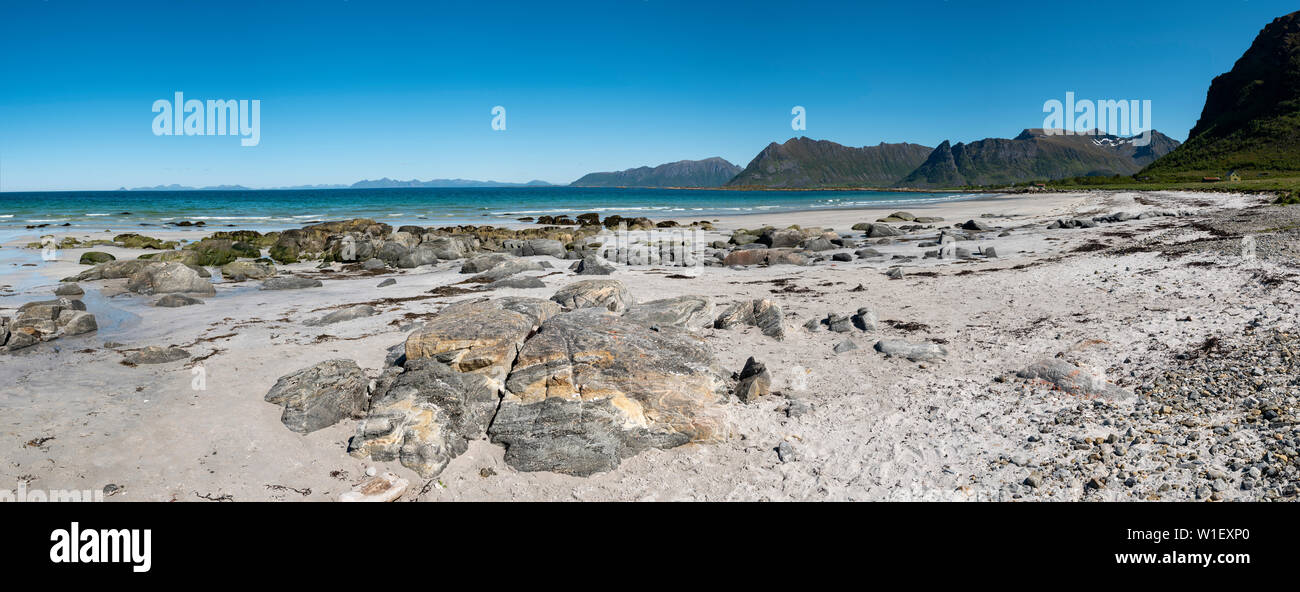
[[20, 235], [1124, 301]]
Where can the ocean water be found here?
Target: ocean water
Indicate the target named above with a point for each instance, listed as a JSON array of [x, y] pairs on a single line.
[[136, 211]]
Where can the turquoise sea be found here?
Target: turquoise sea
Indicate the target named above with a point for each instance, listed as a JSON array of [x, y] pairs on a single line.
[[279, 209]]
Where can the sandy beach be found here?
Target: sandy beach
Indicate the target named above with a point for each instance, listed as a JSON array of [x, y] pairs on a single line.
[[1165, 314]]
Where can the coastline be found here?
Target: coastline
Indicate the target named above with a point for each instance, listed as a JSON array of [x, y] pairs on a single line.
[[1124, 299]]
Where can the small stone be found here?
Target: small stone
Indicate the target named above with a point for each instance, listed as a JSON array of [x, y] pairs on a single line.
[[69, 290], [845, 346], [785, 452]]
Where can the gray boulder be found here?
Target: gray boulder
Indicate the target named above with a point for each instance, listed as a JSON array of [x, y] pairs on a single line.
[[418, 257], [166, 278], [425, 417], [391, 252], [176, 300], [319, 396], [608, 294], [590, 389], [592, 265], [482, 263], [247, 270], [346, 314], [684, 312], [156, 355], [446, 248], [880, 230], [537, 246], [69, 290], [113, 270], [1073, 379], [519, 282], [95, 257], [845, 346], [290, 282], [916, 352], [753, 381], [76, 322], [763, 313], [865, 319], [20, 340], [506, 269]]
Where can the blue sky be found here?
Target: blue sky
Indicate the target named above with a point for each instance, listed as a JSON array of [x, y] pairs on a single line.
[[368, 89]]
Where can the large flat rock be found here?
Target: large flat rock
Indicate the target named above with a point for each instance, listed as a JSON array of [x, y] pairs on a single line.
[[591, 389]]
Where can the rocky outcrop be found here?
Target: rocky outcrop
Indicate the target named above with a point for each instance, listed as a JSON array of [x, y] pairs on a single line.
[[480, 336], [763, 313], [426, 417], [765, 257], [537, 246], [309, 242], [44, 321], [608, 294], [482, 263], [506, 269], [252, 270], [166, 278], [319, 396], [591, 389], [685, 312]]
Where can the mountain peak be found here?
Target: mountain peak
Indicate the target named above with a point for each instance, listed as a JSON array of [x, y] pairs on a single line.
[[1252, 112], [803, 162], [709, 172]]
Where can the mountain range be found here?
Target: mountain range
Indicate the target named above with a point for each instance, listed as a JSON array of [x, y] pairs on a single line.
[[806, 163], [710, 172], [384, 183], [1251, 118], [1035, 154]]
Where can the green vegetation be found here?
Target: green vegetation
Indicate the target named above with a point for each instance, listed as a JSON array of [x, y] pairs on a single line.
[[1284, 184]]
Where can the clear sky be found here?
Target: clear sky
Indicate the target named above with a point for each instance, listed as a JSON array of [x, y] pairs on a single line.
[[367, 89]]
